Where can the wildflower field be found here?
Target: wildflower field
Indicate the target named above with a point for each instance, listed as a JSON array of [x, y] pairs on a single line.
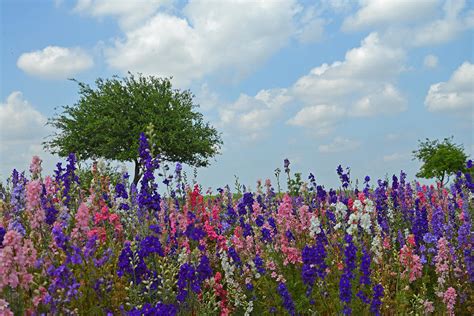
[[387, 248]]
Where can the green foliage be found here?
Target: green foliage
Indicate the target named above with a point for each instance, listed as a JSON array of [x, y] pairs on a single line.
[[107, 121], [86, 175], [294, 184], [440, 159]]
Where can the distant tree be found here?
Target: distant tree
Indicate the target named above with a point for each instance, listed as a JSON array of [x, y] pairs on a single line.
[[440, 159], [107, 121]]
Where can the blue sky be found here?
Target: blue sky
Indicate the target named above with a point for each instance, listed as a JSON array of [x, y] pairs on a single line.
[[322, 83]]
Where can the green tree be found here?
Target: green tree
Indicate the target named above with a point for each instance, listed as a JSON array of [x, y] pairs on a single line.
[[440, 159], [107, 121]]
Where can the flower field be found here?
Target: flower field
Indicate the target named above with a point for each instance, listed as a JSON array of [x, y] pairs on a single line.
[[388, 247]]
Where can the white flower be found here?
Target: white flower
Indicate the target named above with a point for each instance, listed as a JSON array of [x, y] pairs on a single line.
[[341, 208], [365, 222], [315, 228], [358, 205], [369, 206]]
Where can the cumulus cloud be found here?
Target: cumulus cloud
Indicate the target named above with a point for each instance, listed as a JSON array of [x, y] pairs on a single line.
[[364, 69], [22, 129], [413, 23], [128, 13], [312, 26], [252, 116], [388, 12], [360, 85], [55, 62], [223, 37], [363, 84], [455, 94], [339, 144], [430, 61], [318, 118], [387, 100], [442, 30]]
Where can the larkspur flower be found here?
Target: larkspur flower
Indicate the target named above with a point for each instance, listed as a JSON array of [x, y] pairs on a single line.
[[288, 303]]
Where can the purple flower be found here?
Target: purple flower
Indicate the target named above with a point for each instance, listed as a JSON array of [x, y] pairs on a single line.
[[233, 254], [314, 264], [286, 297], [186, 276], [365, 268], [376, 302], [260, 220], [266, 235], [149, 245], [204, 269], [345, 286], [2, 234], [59, 237], [259, 264]]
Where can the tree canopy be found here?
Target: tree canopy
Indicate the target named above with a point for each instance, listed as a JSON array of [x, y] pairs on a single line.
[[440, 159], [108, 119]]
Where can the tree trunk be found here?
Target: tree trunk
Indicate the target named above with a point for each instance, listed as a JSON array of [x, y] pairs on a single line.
[[137, 175], [442, 180]]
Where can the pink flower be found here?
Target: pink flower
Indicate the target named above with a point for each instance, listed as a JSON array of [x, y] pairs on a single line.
[[449, 299], [428, 305], [411, 262], [33, 203], [443, 260], [35, 166], [82, 221], [16, 257], [4, 310]]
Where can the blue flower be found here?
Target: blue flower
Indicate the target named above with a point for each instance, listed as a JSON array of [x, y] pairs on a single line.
[[2, 234], [260, 220], [204, 269], [233, 254], [259, 264], [365, 268], [149, 245], [376, 302], [286, 297]]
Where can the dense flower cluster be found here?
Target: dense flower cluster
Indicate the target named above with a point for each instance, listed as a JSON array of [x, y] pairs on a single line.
[[394, 247]]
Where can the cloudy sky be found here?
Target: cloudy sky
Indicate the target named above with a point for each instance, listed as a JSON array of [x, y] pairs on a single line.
[[322, 83]]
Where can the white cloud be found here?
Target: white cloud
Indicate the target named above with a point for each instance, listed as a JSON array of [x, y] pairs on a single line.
[[396, 157], [446, 28], [337, 6], [129, 13], [318, 118], [206, 98], [252, 116], [389, 12], [387, 100], [229, 38], [55, 62], [360, 85], [455, 94], [339, 144], [430, 61], [22, 129], [364, 69], [312, 26]]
